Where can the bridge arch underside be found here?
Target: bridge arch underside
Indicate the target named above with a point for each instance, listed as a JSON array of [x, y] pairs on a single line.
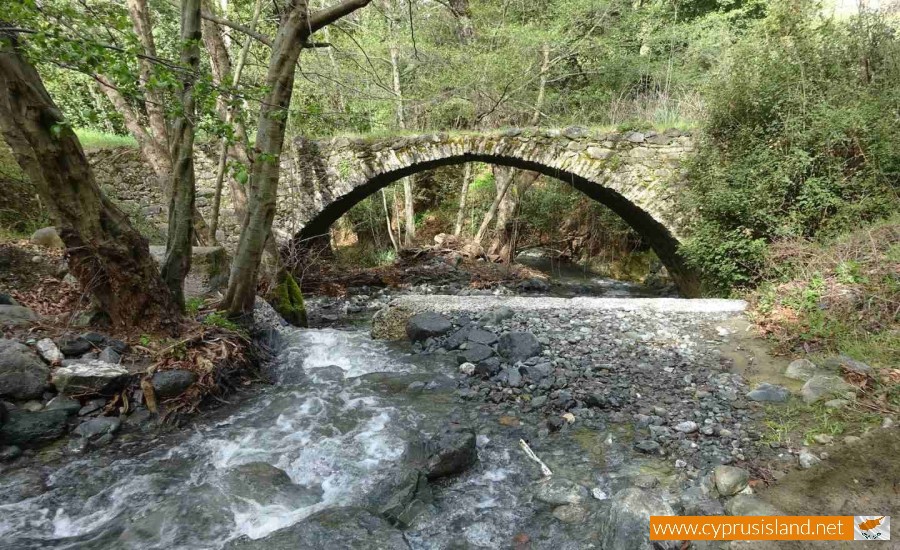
[[660, 238]]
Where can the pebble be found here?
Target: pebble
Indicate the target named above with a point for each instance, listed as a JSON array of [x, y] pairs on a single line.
[[807, 459]]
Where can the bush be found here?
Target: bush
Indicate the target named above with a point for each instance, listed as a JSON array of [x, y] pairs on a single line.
[[801, 140]]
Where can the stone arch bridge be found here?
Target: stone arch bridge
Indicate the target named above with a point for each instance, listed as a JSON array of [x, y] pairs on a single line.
[[637, 175]]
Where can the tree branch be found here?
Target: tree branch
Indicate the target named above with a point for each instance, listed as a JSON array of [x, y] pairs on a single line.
[[238, 27], [328, 16]]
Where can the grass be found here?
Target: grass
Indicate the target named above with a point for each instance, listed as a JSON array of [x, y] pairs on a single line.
[[797, 423], [92, 139]]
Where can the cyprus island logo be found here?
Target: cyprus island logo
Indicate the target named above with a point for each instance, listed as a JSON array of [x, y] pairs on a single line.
[[871, 527]]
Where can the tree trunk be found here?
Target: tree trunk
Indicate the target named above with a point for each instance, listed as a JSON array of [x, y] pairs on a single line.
[[177, 263], [105, 253], [463, 194], [465, 30], [153, 101], [222, 73], [295, 27], [387, 216], [502, 184], [502, 242]]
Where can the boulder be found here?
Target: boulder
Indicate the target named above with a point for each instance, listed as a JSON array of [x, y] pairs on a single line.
[[480, 336], [730, 480], [47, 237], [172, 383], [65, 403], [771, 393], [801, 369], [458, 338], [474, 353], [17, 315], [90, 376], [518, 346], [98, 427], [48, 351], [557, 491], [427, 325], [7, 300], [401, 498], [822, 386], [268, 485], [627, 526], [31, 429], [344, 528], [74, 346], [22, 374], [446, 454]]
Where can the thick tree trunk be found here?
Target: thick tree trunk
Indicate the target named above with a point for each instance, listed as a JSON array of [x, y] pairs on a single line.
[[177, 263], [105, 253], [143, 28], [502, 180], [463, 195], [502, 244]]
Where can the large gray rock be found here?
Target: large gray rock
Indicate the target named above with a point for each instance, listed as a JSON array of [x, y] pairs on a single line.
[[91, 377], [172, 383], [402, 497], [334, 529], [474, 353], [822, 386], [98, 427], [627, 526], [22, 374], [268, 485], [427, 325], [31, 429], [17, 315], [48, 351], [65, 403], [730, 480], [480, 336], [801, 369], [47, 237], [518, 346], [448, 453]]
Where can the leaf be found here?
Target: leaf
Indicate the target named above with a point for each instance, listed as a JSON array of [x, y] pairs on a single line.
[[149, 395], [870, 524]]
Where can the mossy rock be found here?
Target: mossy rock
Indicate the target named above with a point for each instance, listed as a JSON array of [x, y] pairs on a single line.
[[289, 302]]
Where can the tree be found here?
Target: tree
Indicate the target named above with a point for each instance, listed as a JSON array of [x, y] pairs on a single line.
[[106, 254], [295, 27], [179, 239]]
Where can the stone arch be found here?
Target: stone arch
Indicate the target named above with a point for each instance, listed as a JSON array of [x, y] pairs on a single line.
[[635, 175]]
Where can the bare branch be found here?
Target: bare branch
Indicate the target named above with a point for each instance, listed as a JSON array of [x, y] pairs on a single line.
[[238, 27], [328, 16]]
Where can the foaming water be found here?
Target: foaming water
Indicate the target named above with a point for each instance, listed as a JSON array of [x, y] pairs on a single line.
[[327, 433]]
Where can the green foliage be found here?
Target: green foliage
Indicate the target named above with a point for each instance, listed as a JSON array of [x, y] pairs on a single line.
[[93, 139], [217, 319], [192, 306], [798, 144]]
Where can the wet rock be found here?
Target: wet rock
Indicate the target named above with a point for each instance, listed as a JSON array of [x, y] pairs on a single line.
[[268, 485], [510, 377], [749, 505], [401, 499], [497, 315], [769, 393], [338, 528], [458, 338], [518, 346], [7, 300], [31, 429], [94, 338], [47, 237], [537, 372], [20, 485], [8, 453], [627, 526], [74, 346], [801, 369], [557, 491], [555, 423], [17, 315], [474, 353], [22, 374], [570, 513], [91, 406], [446, 454], [172, 383], [645, 481], [822, 386], [97, 427], [483, 337], [64, 403], [32, 406], [48, 351], [427, 325], [730, 480], [807, 459], [467, 369], [488, 368], [90, 376]]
